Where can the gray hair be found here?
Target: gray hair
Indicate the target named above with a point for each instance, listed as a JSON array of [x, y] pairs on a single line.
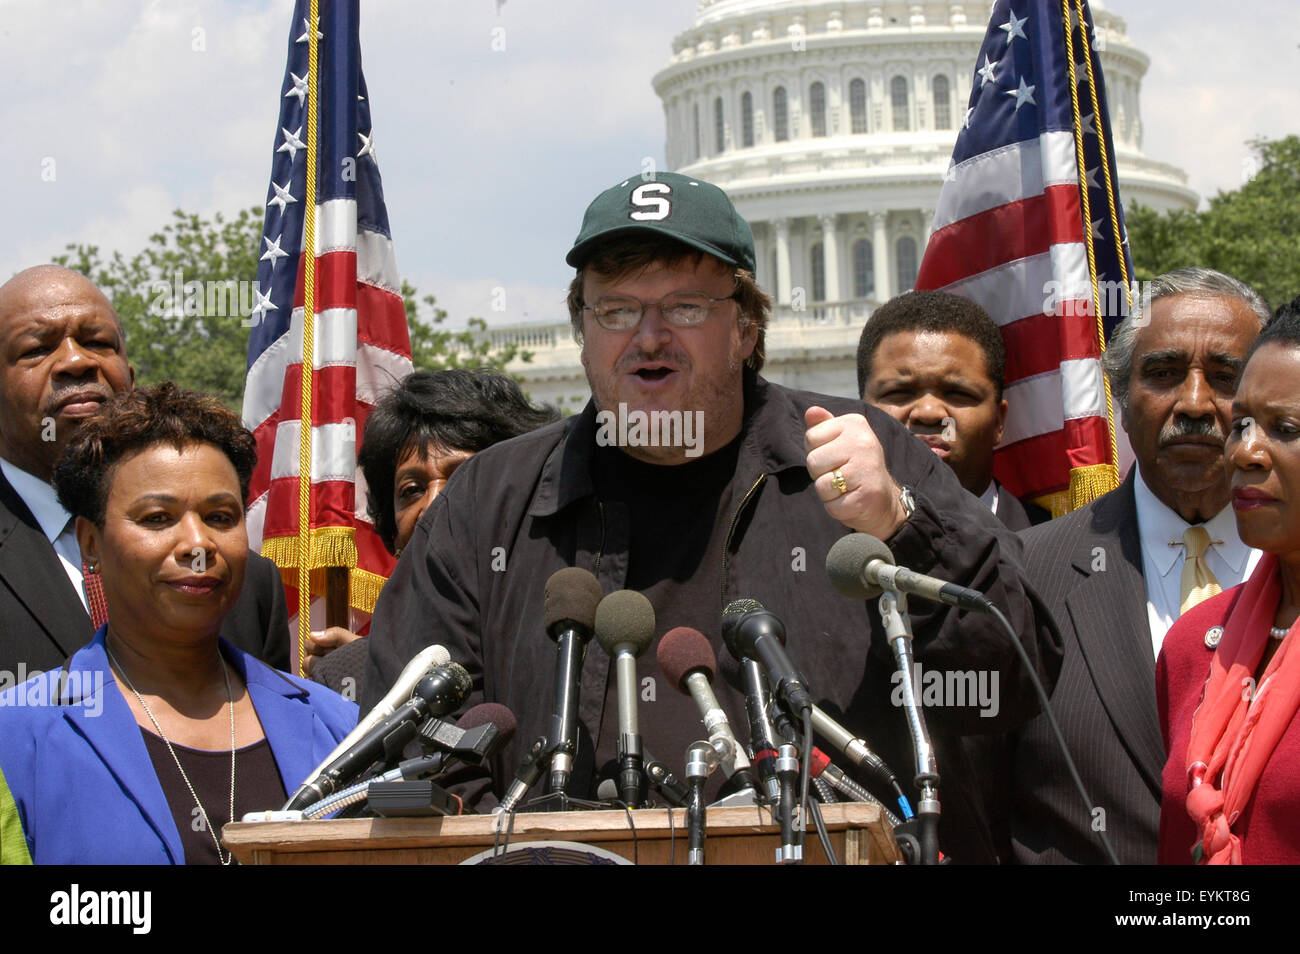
[[1117, 362]]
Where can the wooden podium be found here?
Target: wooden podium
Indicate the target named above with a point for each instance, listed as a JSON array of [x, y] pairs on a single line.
[[737, 835]]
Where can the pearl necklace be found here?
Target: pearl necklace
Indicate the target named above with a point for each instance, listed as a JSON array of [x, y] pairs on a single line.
[[230, 697]]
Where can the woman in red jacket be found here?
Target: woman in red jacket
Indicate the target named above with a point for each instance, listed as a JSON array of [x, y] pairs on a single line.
[[1228, 678]]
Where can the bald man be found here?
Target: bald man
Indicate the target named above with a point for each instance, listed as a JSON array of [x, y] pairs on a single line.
[[62, 354]]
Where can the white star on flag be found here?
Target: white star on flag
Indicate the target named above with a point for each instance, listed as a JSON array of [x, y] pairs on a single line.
[[986, 71], [966, 123], [282, 196], [1085, 123], [1025, 94], [291, 143], [273, 251], [299, 88], [1014, 27], [1091, 176], [1096, 229], [367, 145], [305, 30], [261, 306]]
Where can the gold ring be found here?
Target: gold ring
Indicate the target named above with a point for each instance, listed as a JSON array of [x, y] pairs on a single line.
[[838, 481]]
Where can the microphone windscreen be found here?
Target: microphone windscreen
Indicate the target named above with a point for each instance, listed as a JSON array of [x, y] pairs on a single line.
[[572, 593], [847, 561], [493, 712], [683, 651], [625, 619]]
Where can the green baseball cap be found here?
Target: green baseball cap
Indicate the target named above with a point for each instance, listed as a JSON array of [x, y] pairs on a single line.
[[689, 210]]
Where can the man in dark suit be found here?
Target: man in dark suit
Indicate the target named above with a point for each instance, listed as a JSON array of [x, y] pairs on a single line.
[[935, 362], [62, 354], [1118, 572]]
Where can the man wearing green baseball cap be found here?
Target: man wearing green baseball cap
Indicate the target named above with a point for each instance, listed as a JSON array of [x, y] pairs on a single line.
[[693, 481]]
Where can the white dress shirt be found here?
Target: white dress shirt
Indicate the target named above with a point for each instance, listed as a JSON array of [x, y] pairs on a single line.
[[54, 521], [1163, 555], [990, 497]]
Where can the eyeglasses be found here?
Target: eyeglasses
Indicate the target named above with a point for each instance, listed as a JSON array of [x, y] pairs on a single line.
[[682, 309]]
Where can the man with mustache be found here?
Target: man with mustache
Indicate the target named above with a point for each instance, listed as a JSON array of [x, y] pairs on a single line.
[[1118, 572], [62, 354], [935, 362], [672, 324]]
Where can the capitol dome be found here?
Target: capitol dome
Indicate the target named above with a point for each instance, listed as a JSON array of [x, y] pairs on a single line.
[[831, 123]]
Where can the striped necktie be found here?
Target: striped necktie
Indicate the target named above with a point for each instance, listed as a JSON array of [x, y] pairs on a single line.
[[1198, 582]]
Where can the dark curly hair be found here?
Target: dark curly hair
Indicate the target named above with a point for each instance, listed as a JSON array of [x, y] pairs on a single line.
[[938, 313], [1283, 328], [457, 409], [136, 420]]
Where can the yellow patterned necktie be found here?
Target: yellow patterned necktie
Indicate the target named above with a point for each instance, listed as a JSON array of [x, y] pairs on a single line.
[[1198, 582]]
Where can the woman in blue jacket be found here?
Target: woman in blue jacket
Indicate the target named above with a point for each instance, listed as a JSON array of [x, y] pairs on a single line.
[[158, 732]]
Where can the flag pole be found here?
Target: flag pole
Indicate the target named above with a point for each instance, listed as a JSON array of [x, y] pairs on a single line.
[[1090, 481], [308, 344]]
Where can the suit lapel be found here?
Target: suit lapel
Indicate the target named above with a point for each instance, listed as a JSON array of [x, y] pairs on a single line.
[[1109, 614], [115, 737], [287, 721], [31, 570]]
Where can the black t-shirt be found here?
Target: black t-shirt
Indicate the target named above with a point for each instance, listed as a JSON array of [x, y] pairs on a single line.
[[258, 786], [676, 518]]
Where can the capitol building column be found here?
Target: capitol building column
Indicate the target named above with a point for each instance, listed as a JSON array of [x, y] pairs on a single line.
[[880, 253], [831, 257], [781, 228]]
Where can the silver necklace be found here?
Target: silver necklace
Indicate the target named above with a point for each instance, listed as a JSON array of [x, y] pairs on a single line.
[[230, 697]]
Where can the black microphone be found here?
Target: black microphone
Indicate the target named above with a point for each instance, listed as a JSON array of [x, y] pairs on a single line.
[[572, 595], [441, 691], [762, 733], [625, 626], [860, 566], [750, 630], [687, 659]]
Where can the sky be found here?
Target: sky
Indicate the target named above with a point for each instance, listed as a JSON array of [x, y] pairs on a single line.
[[495, 121]]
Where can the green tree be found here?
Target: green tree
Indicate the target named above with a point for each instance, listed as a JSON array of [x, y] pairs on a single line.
[[184, 300], [1251, 233]]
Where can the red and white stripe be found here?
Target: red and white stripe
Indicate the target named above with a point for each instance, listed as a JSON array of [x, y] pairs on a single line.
[[1008, 234], [360, 348]]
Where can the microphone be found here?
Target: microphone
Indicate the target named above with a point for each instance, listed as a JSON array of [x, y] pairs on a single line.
[[762, 734], [861, 566], [750, 630], [625, 626], [475, 737], [421, 664], [572, 595], [436, 694], [495, 725], [688, 661]]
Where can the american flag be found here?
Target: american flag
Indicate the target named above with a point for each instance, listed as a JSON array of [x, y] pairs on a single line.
[[1009, 233], [361, 343]]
